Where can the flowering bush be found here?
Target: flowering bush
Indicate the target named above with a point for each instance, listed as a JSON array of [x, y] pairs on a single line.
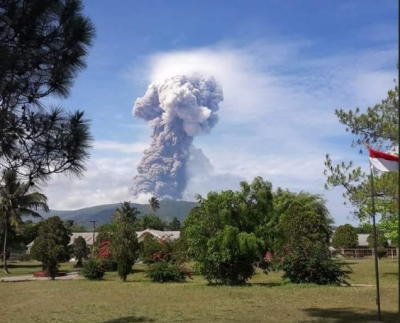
[[313, 265], [152, 249], [105, 257], [164, 264]]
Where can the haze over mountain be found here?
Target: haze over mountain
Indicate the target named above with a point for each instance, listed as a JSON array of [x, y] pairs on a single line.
[[102, 213]]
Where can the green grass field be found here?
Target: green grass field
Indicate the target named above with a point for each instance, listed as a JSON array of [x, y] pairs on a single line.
[[265, 299]]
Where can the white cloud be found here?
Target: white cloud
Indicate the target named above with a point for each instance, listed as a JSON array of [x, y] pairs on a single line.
[[106, 181], [277, 119], [135, 147]]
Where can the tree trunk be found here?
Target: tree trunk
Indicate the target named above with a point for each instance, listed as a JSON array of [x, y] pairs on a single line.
[[5, 247]]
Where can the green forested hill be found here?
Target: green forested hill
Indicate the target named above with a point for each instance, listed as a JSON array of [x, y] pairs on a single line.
[[102, 213]]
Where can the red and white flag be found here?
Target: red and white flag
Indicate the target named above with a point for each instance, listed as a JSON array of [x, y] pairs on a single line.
[[383, 161]]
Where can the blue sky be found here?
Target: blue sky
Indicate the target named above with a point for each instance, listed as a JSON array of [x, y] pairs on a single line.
[[284, 67]]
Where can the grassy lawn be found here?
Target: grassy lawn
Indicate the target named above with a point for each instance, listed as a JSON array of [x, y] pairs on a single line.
[[265, 299]]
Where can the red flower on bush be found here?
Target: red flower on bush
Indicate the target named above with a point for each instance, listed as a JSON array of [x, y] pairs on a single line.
[[268, 256], [104, 251]]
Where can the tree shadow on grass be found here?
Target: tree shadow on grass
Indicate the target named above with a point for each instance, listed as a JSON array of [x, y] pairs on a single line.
[[246, 285], [137, 270], [348, 263], [130, 319], [267, 284], [348, 315], [16, 265], [390, 274]]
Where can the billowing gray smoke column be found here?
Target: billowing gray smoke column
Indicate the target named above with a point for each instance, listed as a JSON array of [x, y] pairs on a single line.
[[177, 110]]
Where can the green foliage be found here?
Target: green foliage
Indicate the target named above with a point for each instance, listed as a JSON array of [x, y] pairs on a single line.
[[381, 239], [166, 271], [345, 236], [80, 250], [390, 228], [74, 227], [303, 220], [378, 124], [364, 228], [180, 248], [92, 269], [124, 248], [151, 221], [149, 246], [174, 225], [51, 244], [108, 264], [225, 234], [312, 265], [125, 213], [381, 252], [19, 238], [43, 46], [105, 232], [28, 232], [17, 199], [230, 257]]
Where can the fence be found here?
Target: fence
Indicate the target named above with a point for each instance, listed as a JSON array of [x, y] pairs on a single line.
[[361, 253]]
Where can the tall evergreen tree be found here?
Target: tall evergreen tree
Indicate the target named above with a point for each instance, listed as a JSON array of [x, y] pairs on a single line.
[[43, 46], [378, 126]]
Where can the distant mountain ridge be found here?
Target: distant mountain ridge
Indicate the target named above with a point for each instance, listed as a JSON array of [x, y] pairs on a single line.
[[102, 213]]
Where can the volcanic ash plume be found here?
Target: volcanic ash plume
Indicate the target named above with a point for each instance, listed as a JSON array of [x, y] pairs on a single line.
[[177, 110]]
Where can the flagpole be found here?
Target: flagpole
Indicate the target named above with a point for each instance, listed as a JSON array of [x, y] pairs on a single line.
[[378, 300]]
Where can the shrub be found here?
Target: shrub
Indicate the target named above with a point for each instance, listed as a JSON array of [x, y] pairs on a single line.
[[92, 269], [108, 264], [164, 271], [165, 265], [124, 268], [148, 247], [80, 250], [313, 265], [230, 257], [51, 244]]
